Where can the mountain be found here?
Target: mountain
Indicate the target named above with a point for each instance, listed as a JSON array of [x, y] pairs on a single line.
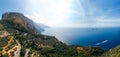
[[43, 26], [19, 37], [18, 19]]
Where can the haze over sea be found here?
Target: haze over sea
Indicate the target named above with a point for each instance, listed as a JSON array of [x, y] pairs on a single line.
[[104, 37]]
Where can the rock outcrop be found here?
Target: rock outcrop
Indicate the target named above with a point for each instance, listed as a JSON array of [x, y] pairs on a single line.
[[18, 19]]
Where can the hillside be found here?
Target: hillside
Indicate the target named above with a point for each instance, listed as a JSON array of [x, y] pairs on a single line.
[[114, 52], [18, 19], [20, 38]]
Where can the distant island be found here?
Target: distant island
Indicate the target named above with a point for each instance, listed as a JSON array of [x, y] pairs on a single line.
[[21, 37]]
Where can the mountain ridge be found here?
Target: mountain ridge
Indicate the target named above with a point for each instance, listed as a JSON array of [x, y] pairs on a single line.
[[23, 21]]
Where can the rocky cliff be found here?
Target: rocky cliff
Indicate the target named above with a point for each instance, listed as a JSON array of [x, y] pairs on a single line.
[[18, 19]]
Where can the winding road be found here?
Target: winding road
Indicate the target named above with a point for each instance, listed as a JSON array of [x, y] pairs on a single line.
[[17, 53]]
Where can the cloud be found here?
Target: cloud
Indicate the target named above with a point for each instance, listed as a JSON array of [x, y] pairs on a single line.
[[95, 16], [109, 20], [71, 13]]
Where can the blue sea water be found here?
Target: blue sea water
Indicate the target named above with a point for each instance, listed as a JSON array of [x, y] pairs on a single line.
[[104, 37]]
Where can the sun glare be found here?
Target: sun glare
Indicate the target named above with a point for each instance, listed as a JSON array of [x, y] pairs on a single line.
[[49, 12]]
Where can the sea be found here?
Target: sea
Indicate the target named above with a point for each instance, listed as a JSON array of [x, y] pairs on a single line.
[[105, 38]]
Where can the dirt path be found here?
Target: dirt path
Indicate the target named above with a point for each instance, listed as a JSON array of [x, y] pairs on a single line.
[[17, 53], [26, 53]]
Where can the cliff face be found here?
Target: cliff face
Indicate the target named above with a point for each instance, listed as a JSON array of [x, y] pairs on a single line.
[[19, 37], [22, 21]]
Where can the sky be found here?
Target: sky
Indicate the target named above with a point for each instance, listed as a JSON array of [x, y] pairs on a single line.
[[67, 13]]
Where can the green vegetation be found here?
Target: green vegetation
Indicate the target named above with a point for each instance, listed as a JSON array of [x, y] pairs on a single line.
[[43, 45], [114, 52]]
